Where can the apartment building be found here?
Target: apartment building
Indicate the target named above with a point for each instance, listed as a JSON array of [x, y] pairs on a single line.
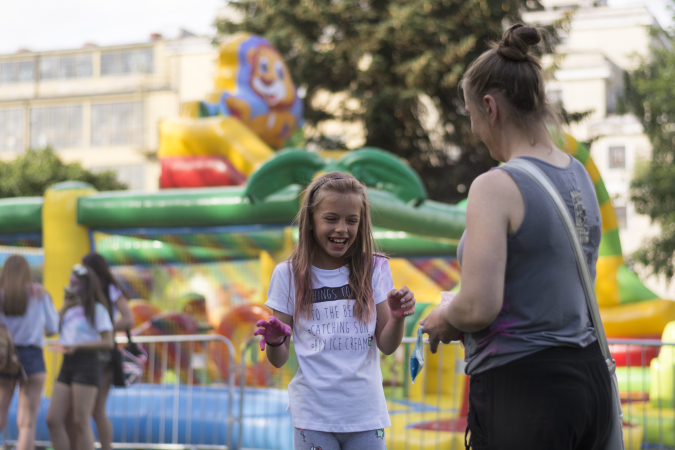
[[101, 105], [599, 46]]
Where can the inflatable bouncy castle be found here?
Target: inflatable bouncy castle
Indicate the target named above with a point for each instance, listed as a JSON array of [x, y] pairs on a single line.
[[197, 256]]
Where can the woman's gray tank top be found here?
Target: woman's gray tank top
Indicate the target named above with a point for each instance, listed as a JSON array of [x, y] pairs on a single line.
[[544, 303]]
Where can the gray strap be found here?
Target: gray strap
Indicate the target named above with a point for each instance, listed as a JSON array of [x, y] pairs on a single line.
[[539, 177]]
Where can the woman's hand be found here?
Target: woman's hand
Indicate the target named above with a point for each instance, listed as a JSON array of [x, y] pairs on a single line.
[[70, 299], [401, 302], [438, 329], [63, 349], [272, 332]]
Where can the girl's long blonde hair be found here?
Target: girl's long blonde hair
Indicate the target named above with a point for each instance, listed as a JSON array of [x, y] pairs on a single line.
[[15, 282], [359, 257]]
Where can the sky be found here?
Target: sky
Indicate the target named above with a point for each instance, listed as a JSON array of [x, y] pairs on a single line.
[[40, 25], [63, 24]]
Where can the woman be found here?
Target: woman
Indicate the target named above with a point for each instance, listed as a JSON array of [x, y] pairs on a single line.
[[538, 379], [84, 330], [27, 311], [118, 301]]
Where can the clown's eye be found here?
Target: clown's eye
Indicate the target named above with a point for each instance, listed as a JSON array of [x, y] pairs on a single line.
[[264, 65], [279, 69]]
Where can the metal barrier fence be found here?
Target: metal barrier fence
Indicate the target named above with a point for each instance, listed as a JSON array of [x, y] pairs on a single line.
[[431, 414], [185, 400], [424, 415], [199, 392], [646, 384]]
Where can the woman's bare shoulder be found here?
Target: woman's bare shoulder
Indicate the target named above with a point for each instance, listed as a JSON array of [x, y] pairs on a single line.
[[494, 184]]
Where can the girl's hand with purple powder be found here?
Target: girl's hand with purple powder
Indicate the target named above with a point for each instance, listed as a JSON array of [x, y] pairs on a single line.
[[272, 332]]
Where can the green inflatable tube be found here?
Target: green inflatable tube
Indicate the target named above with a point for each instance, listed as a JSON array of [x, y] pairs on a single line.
[[130, 250], [21, 215], [228, 206], [185, 208]]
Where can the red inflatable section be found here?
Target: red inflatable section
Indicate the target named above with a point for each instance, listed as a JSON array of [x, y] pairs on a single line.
[[634, 355], [239, 323], [199, 171], [143, 311]]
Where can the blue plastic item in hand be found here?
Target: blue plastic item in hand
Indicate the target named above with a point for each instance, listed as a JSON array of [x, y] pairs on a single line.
[[417, 358]]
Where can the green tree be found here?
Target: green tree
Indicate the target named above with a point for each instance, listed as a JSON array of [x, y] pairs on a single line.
[[34, 171], [651, 97], [398, 64]]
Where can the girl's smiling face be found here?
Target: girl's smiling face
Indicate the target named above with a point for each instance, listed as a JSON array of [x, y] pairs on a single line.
[[335, 226]]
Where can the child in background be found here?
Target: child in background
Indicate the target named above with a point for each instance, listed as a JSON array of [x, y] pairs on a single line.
[[118, 302], [85, 329], [26, 309], [338, 297]]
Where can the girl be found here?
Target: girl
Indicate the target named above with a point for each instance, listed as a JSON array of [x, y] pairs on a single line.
[[118, 301], [85, 329], [528, 337], [27, 311], [338, 297]]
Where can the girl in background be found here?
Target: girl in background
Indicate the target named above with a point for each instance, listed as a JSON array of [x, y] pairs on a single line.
[[119, 302], [26, 309], [338, 296], [85, 329]]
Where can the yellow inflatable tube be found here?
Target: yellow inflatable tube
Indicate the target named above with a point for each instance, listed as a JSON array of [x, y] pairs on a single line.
[[221, 136], [65, 243]]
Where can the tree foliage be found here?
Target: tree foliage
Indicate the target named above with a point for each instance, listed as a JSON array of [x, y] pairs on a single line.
[[397, 64], [33, 172], [650, 95]]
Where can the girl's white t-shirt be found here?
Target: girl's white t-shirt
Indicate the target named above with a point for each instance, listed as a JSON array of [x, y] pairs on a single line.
[[76, 329], [338, 386]]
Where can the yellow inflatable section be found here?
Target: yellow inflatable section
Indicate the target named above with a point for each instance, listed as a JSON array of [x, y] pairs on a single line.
[[222, 136], [627, 307], [65, 243]]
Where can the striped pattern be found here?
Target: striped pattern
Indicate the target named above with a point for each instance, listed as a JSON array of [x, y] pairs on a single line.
[[610, 259]]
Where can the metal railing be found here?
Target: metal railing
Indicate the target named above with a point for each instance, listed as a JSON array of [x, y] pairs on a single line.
[[426, 414], [199, 392], [431, 414], [185, 400], [646, 384]]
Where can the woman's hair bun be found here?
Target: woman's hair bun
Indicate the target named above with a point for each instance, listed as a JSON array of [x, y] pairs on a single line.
[[516, 42]]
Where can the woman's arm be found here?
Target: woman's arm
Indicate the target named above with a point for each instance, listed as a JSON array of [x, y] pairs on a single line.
[[127, 317], [495, 208], [106, 343], [52, 318], [391, 315]]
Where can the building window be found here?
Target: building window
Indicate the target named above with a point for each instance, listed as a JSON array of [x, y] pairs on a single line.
[[617, 157], [613, 95], [17, 71], [56, 126], [555, 97], [67, 68], [26, 71], [133, 175], [117, 124], [11, 130], [48, 68], [621, 218], [127, 62], [72, 66], [84, 66]]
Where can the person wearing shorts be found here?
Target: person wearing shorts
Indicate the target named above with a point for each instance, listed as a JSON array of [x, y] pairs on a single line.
[[26, 309], [122, 319], [85, 329]]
